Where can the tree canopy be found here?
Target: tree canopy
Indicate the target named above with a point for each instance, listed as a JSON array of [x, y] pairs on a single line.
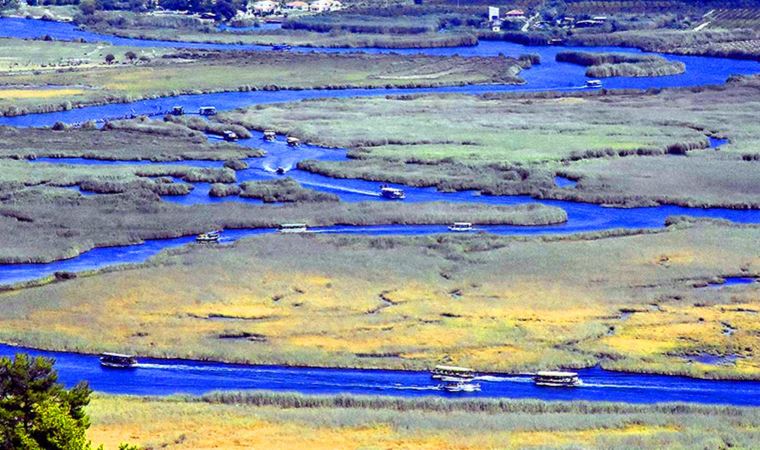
[[37, 412]]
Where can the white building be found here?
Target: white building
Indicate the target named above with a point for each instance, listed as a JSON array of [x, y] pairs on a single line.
[[493, 13], [325, 5], [263, 7]]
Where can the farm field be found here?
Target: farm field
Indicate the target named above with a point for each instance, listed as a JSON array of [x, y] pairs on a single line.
[[242, 421], [514, 143], [630, 300]]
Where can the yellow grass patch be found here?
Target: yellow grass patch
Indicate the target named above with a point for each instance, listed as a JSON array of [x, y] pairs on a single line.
[[38, 93]]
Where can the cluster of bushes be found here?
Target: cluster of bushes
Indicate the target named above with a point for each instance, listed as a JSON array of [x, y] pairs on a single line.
[[602, 65], [284, 190]]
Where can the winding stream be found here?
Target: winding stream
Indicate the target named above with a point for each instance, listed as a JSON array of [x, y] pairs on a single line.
[[162, 377]]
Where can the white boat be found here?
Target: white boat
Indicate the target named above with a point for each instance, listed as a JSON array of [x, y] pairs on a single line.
[[460, 227], [461, 386], [117, 361], [452, 373], [293, 141], [556, 379], [293, 228], [593, 84], [207, 111], [269, 135], [392, 193], [211, 236], [230, 136]]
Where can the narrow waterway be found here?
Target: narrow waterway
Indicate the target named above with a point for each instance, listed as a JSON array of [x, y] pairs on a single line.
[[166, 377]]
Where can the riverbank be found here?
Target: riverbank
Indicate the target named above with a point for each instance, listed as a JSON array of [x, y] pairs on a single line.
[[295, 421], [172, 73], [653, 156], [410, 303]]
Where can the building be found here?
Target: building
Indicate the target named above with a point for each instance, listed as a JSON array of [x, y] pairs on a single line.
[[496, 26], [297, 6], [325, 5], [263, 7], [493, 13], [515, 14]]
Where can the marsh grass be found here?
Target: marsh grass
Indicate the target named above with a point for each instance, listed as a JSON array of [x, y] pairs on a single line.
[[296, 421], [493, 303]]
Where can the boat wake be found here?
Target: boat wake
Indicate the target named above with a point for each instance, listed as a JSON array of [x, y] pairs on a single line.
[[340, 188], [495, 379]]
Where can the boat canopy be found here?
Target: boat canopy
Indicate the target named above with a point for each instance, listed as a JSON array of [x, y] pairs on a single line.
[[116, 355], [453, 369], [556, 374]]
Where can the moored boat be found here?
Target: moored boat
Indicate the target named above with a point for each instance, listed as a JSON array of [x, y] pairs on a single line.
[[207, 111], [177, 111], [293, 141], [269, 135], [452, 373], [556, 379], [117, 361], [211, 236], [460, 227], [392, 193], [280, 47]]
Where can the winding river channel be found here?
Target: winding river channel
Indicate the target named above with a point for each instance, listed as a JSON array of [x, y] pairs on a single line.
[[162, 377]]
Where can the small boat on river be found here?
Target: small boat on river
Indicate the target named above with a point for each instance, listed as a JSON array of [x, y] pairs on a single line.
[[269, 135], [230, 136], [177, 111], [460, 227], [392, 193], [117, 361], [461, 386], [293, 228], [207, 111], [293, 141], [452, 373], [593, 84], [210, 237], [280, 47], [280, 171], [556, 379]]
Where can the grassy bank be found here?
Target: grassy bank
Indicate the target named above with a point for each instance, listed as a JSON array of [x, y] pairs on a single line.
[[514, 144], [42, 222], [285, 190], [119, 140], [494, 303], [293, 421], [738, 44], [196, 72], [603, 65]]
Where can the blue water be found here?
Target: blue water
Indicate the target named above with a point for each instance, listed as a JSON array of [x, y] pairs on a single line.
[[732, 281], [164, 377]]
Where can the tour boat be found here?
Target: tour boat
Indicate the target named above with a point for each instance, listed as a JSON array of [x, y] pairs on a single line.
[[269, 135], [211, 236], [461, 386], [178, 111], [117, 361], [556, 379], [392, 193], [230, 136], [293, 228], [293, 141], [452, 373], [460, 226], [593, 84], [207, 111]]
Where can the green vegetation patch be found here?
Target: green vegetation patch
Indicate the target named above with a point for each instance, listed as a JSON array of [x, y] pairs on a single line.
[[602, 65]]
